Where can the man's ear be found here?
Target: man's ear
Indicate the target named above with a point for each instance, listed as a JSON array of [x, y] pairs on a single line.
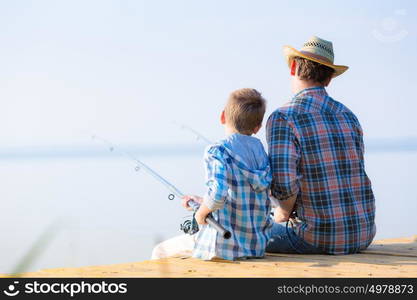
[[293, 67], [255, 131], [223, 118]]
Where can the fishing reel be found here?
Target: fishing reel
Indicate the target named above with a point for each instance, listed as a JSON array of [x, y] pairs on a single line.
[[189, 226]]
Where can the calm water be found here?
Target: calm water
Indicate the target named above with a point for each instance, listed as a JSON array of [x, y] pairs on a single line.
[[109, 213]]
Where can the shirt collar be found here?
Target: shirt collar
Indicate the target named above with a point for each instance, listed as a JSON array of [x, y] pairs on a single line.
[[310, 92]]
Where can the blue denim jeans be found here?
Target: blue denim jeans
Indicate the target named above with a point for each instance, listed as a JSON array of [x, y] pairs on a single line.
[[284, 240]]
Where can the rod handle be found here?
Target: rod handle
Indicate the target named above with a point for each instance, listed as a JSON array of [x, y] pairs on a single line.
[[226, 234]]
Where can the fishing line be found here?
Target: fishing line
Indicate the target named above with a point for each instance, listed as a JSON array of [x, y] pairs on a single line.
[[141, 165]]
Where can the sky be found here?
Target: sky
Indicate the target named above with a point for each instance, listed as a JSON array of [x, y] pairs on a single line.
[[126, 70]]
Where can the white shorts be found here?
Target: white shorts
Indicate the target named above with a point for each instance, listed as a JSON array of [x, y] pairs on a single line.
[[181, 245]]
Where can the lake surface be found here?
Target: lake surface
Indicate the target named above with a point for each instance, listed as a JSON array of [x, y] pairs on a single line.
[[105, 212]]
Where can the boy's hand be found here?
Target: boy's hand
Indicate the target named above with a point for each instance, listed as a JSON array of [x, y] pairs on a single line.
[[187, 198], [201, 215]]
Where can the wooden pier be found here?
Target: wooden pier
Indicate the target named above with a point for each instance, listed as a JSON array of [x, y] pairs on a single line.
[[384, 258]]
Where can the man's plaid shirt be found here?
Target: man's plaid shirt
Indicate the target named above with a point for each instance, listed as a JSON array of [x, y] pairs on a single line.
[[317, 153]]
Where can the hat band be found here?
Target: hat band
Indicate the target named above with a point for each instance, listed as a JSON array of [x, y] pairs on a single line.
[[316, 56]]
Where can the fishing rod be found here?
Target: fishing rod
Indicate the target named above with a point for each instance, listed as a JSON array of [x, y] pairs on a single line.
[[195, 132], [174, 191]]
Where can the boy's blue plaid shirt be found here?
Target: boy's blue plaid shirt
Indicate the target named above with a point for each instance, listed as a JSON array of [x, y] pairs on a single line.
[[316, 151], [238, 195]]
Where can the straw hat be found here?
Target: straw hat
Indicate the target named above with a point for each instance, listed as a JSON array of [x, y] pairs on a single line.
[[317, 50]]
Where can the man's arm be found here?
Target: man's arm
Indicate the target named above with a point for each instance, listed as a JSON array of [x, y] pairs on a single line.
[[284, 209], [284, 156]]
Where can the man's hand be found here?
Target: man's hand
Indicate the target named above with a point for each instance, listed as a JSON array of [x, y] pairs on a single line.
[[280, 215], [187, 198], [284, 209]]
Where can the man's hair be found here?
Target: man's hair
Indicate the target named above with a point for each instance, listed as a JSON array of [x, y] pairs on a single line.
[[245, 110], [310, 70]]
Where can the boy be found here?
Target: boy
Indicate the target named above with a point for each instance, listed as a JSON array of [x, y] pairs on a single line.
[[238, 179]]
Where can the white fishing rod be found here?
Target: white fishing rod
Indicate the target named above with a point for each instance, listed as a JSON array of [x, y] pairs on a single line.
[[195, 132], [175, 192]]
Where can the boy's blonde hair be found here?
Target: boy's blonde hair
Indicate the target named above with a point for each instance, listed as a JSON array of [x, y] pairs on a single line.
[[245, 110]]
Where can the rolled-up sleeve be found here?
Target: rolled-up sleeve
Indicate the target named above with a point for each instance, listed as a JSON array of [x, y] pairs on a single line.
[[284, 156], [216, 179]]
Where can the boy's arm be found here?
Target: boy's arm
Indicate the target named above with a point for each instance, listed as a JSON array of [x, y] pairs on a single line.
[[284, 155], [217, 187], [201, 214]]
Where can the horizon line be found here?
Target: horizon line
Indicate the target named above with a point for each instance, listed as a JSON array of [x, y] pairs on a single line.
[[372, 145]]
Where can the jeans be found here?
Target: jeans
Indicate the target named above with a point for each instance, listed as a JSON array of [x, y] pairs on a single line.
[[284, 240]]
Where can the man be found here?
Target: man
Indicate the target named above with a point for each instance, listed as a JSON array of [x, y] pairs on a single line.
[[317, 158]]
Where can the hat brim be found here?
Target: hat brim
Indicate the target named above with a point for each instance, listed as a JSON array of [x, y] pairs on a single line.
[[290, 53]]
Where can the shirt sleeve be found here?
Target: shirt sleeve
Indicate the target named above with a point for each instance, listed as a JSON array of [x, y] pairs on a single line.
[[284, 156], [358, 137], [216, 179]]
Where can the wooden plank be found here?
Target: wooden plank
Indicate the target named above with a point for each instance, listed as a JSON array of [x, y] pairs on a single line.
[[358, 265], [276, 265], [395, 247]]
